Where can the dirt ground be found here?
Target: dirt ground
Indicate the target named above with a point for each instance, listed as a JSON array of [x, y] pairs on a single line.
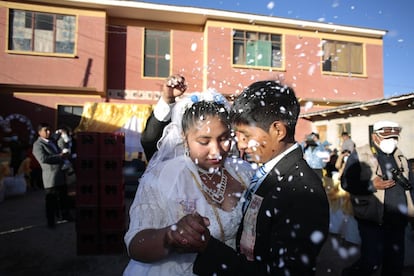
[[29, 247]]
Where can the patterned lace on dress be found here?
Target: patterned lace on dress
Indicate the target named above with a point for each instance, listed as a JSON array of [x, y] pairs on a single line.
[[230, 222], [165, 197]]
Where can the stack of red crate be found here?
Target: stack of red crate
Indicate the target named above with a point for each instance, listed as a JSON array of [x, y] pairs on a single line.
[[100, 204]]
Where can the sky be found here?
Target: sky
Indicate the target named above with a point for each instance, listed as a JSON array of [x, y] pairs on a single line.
[[393, 16]]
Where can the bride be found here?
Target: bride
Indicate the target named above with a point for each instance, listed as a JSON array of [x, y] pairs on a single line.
[[190, 173]]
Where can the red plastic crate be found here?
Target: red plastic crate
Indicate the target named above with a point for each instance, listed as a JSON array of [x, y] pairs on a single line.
[[112, 192], [112, 144], [88, 242], [112, 217], [111, 168], [87, 167], [112, 241], [87, 192], [87, 217], [87, 144]]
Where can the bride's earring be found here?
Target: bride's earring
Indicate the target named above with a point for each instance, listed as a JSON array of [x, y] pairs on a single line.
[[186, 151]]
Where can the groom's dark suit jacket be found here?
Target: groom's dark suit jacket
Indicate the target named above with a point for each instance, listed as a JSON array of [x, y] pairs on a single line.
[[291, 226]]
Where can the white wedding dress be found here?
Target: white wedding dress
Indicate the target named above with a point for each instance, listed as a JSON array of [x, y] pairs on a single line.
[[168, 193]]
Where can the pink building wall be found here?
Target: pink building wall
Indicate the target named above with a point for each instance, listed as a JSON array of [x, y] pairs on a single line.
[[87, 69]]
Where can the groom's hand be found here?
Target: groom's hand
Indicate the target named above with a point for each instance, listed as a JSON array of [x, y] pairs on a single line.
[[189, 234]]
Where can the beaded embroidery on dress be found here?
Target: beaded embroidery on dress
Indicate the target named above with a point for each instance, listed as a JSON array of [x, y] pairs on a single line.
[[172, 194], [167, 192]]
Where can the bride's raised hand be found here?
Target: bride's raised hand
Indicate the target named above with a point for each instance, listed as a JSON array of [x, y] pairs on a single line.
[[174, 87]]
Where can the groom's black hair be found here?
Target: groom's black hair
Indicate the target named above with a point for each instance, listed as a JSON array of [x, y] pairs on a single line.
[[264, 102]]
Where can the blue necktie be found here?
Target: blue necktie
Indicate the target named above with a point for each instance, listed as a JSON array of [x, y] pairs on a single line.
[[254, 185]]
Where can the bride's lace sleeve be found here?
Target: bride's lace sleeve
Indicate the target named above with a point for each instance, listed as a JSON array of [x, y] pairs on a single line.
[[147, 210]]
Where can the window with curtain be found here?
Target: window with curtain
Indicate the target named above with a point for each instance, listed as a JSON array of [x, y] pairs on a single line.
[[257, 49], [342, 57], [41, 32], [157, 53]]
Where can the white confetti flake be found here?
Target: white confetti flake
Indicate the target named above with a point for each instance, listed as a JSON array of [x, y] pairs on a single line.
[[317, 237], [270, 5], [308, 105]]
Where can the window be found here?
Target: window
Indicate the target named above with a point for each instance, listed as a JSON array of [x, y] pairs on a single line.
[[257, 49], [69, 115], [342, 57], [157, 53], [41, 32], [344, 127]]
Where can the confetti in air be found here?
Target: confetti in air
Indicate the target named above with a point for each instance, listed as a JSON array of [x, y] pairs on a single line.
[[317, 237], [270, 5], [308, 105]]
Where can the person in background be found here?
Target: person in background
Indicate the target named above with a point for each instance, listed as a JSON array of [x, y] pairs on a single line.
[[380, 182], [347, 144], [341, 161], [347, 147], [315, 153], [51, 159], [330, 165], [64, 142], [36, 181], [17, 152], [191, 173], [174, 87], [286, 211]]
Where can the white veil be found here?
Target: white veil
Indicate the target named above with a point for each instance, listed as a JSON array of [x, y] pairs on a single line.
[[171, 143]]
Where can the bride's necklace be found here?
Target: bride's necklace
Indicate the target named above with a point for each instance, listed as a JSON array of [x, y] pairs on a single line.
[[216, 195], [216, 214], [208, 173]]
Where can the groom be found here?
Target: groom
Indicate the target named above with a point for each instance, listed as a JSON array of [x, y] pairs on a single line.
[[286, 219]]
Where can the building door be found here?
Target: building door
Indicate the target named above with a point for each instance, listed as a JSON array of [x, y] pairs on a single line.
[[322, 132], [69, 116]]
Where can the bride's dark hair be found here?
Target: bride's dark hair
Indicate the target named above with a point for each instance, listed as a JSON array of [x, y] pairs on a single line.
[[188, 110], [203, 110]]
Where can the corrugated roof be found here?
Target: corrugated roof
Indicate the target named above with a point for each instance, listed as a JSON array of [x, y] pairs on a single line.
[[392, 104]]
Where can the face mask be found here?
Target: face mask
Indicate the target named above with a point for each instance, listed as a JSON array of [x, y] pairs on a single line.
[[388, 145]]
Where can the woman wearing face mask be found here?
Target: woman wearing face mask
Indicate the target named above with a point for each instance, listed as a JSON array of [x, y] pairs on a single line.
[[380, 183], [190, 174]]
